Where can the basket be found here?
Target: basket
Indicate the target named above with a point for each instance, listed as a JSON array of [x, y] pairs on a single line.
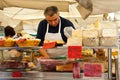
[[2, 43], [28, 43], [9, 43]]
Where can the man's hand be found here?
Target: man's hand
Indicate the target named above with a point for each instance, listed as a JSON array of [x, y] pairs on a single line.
[[44, 53], [68, 31]]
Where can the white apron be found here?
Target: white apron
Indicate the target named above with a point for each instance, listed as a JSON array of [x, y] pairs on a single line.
[[55, 52], [53, 36]]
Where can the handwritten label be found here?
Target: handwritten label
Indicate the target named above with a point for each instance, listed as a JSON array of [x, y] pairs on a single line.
[[16, 74], [92, 70], [49, 45], [74, 51]]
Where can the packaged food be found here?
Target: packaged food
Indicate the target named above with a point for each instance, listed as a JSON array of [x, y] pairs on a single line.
[[91, 41], [108, 41], [90, 33], [13, 64], [49, 64], [74, 41], [109, 32], [64, 67], [90, 38]]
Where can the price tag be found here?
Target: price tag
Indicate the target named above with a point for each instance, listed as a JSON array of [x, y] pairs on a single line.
[[16, 74], [92, 70], [74, 51], [49, 45]]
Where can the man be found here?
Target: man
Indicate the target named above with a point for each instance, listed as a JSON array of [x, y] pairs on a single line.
[[54, 27]]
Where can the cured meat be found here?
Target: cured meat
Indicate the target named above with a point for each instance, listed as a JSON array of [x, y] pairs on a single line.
[[49, 64], [13, 64]]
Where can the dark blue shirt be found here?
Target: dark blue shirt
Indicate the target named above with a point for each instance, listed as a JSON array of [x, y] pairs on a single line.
[[43, 26]]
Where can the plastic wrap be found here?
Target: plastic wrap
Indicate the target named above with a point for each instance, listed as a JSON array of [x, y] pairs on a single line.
[[57, 52], [76, 70], [109, 32], [49, 64], [108, 37], [108, 41], [90, 38], [74, 41], [91, 41], [90, 33]]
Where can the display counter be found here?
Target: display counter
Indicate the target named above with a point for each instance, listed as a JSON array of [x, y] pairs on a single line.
[[45, 76], [38, 75]]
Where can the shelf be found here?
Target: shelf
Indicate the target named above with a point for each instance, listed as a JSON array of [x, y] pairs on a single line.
[[46, 76], [4, 48]]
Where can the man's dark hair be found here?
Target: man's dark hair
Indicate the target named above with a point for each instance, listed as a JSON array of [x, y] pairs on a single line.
[[9, 31], [51, 10]]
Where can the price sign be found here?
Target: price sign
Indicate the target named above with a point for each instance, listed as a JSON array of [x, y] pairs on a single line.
[[16, 74], [49, 45], [92, 70], [74, 51]]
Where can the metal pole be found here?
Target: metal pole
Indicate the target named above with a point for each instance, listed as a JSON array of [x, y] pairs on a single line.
[[109, 64], [116, 69]]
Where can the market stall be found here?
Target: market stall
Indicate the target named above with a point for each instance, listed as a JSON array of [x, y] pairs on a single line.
[[94, 33]]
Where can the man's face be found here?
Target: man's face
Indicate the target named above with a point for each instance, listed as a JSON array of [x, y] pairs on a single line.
[[53, 20]]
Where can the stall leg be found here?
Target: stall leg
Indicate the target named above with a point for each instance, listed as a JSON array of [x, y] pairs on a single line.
[[109, 64]]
